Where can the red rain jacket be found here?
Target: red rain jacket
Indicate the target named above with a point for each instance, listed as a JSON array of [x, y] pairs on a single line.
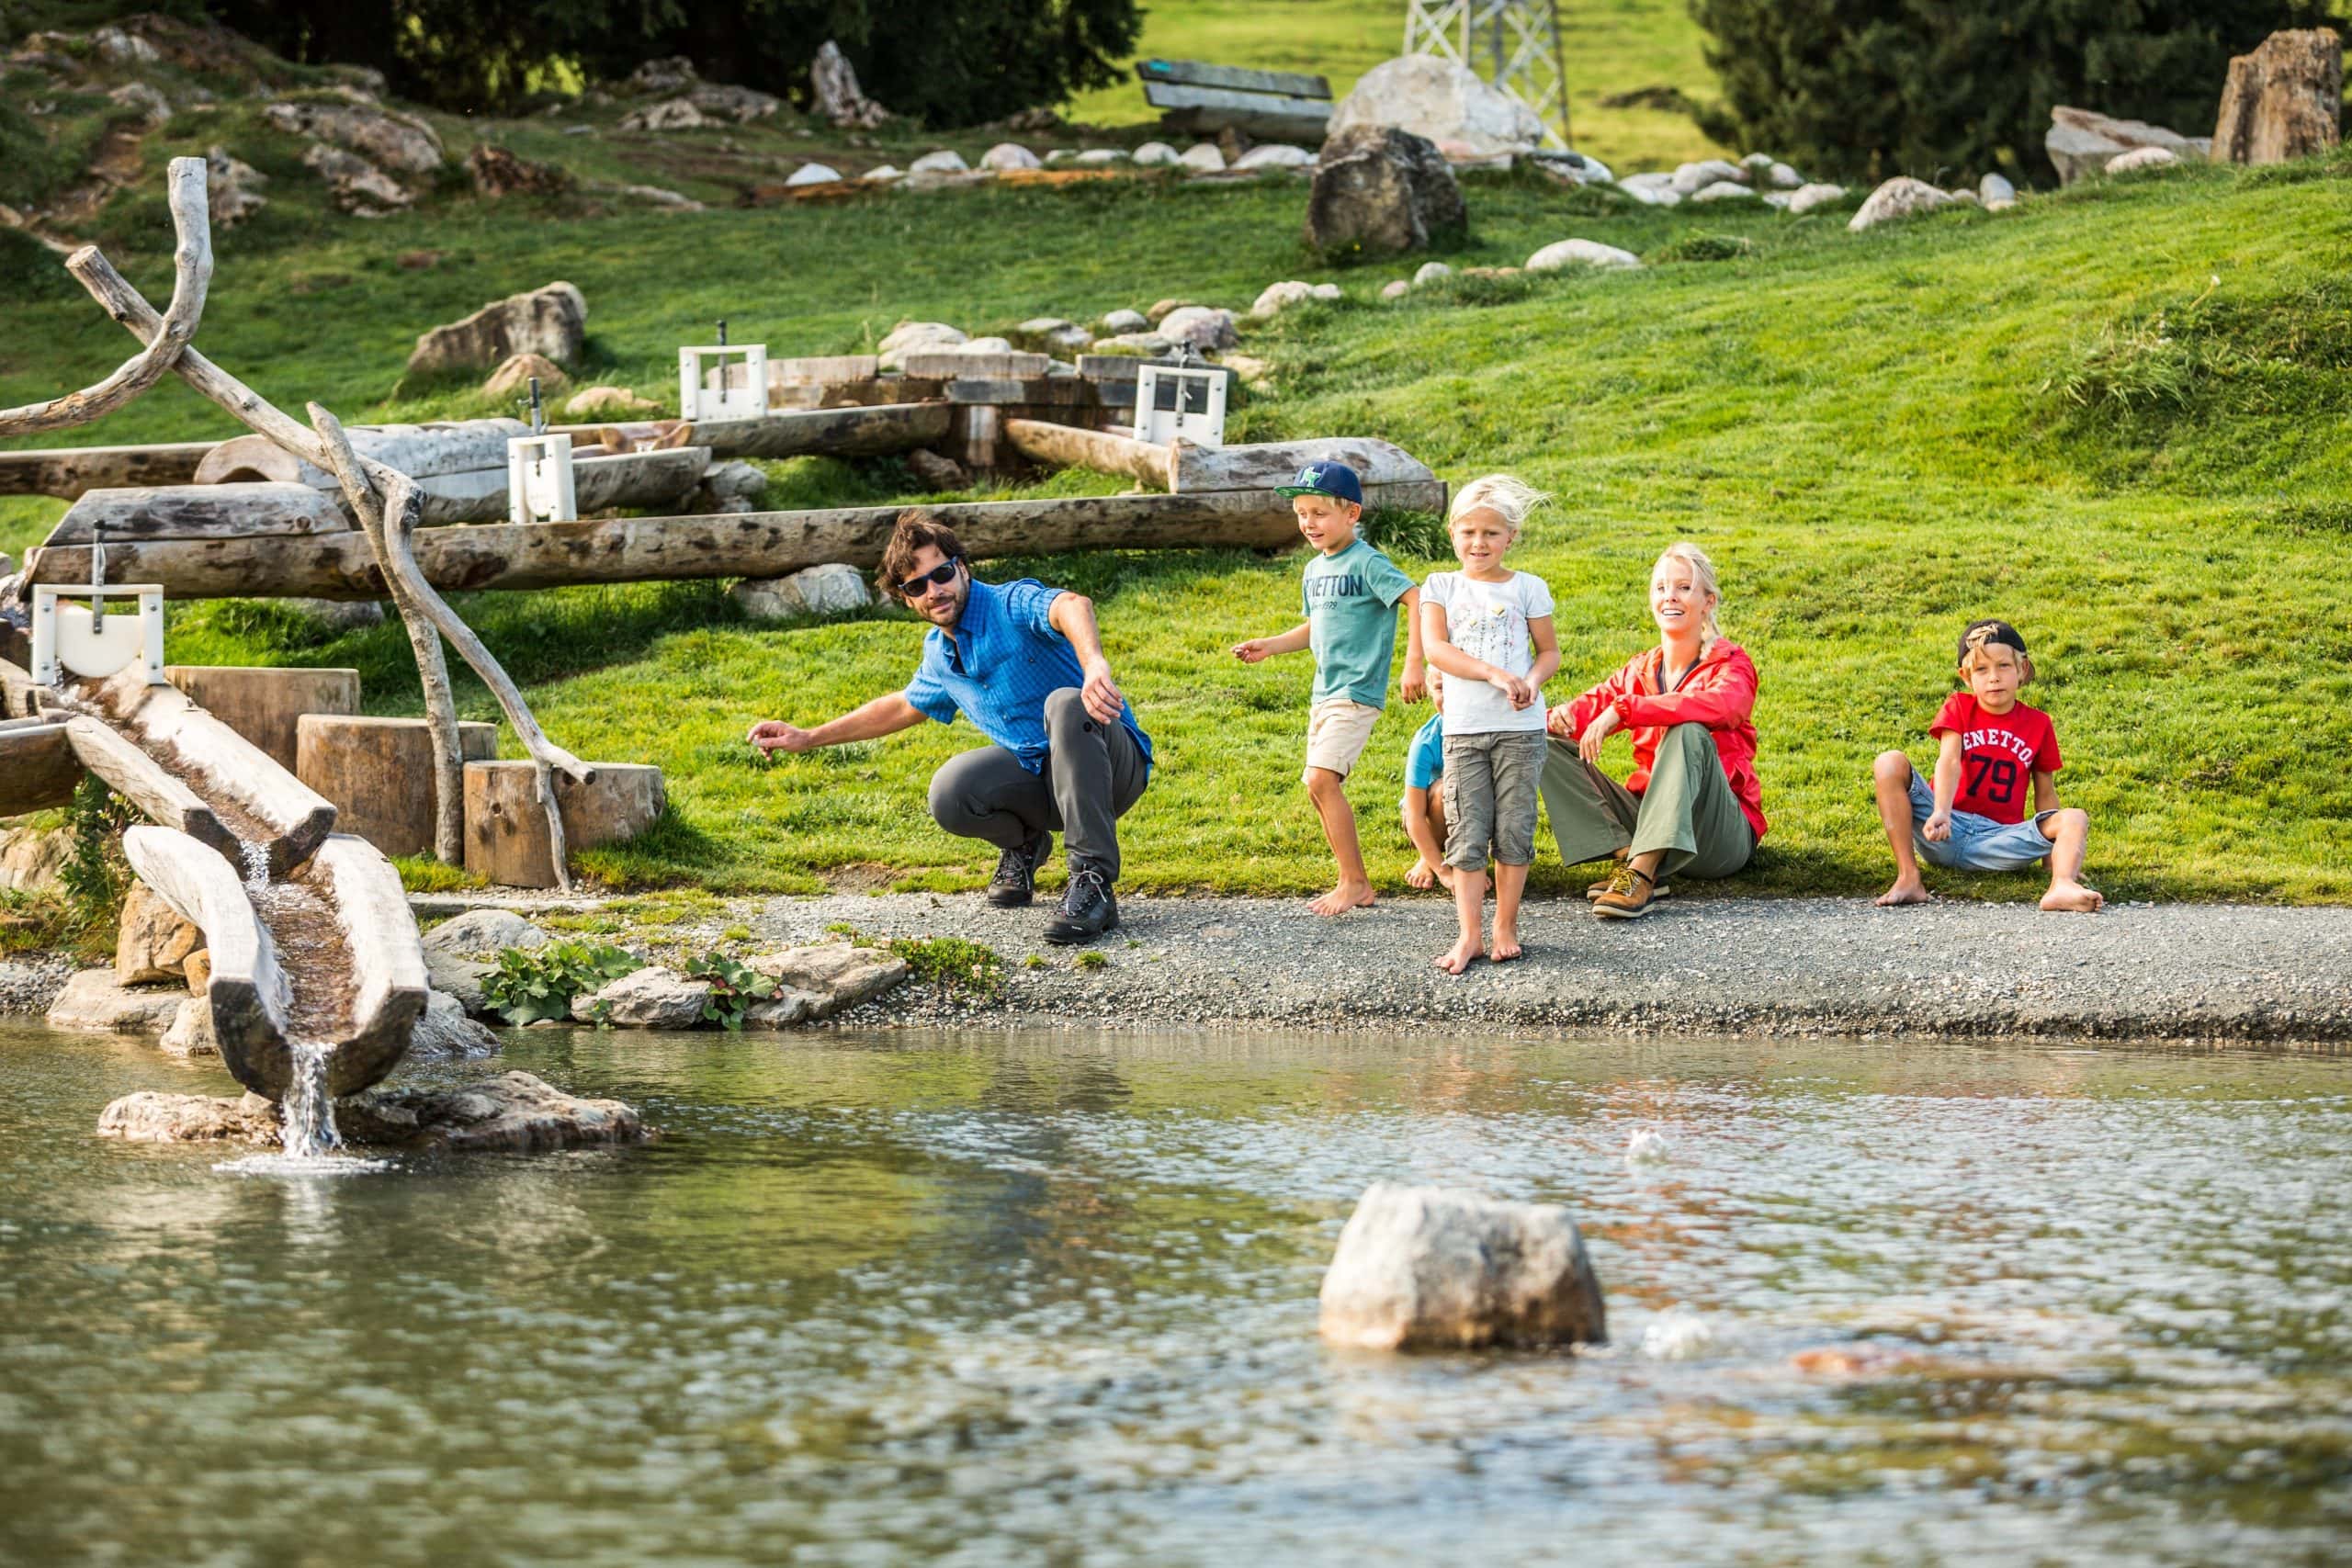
[[1720, 694]]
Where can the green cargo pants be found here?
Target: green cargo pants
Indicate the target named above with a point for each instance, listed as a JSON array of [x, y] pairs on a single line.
[[1689, 809]]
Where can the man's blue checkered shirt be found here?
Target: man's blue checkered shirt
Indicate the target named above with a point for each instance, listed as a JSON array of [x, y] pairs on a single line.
[[998, 667]]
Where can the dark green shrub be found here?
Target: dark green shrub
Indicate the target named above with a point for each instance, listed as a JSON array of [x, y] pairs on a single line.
[[1702, 248]]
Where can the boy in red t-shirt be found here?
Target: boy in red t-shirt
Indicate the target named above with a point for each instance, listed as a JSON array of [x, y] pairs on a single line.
[[1993, 749]]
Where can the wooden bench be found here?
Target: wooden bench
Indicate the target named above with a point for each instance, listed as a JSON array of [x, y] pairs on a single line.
[[1274, 106]]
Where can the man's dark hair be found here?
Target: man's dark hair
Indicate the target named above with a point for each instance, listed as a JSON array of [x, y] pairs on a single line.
[[915, 529]]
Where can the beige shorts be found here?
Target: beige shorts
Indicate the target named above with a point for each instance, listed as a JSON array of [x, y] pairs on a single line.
[[1337, 731]]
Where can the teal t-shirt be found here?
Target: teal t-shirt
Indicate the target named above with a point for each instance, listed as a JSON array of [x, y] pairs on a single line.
[[1351, 600]]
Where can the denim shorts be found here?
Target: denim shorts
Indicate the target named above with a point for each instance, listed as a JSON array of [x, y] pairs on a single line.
[[1977, 843]]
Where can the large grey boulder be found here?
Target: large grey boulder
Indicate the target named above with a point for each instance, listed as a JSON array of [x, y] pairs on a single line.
[[550, 321], [1901, 197], [94, 1002], [385, 137], [1206, 327], [1124, 320], [827, 976], [1442, 101], [1430, 1268], [917, 337], [1380, 190], [483, 933], [833, 81], [2079, 142], [829, 590], [652, 998], [2284, 100], [514, 1112], [359, 187]]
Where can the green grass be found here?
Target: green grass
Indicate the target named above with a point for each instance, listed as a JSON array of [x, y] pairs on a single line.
[[1612, 47], [2117, 416]]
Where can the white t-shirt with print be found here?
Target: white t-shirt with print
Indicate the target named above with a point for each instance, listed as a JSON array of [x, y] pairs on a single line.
[[1489, 622]]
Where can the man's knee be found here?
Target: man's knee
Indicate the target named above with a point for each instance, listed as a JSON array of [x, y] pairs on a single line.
[[946, 798], [1066, 710]]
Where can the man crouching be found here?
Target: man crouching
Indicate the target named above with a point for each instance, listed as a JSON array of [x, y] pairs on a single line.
[[1024, 663]]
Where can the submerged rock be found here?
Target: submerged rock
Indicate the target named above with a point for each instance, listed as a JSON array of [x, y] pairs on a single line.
[[94, 1002], [1430, 1268], [514, 1112]]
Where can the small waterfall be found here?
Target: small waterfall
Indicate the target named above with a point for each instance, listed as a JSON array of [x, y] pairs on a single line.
[[308, 1111]]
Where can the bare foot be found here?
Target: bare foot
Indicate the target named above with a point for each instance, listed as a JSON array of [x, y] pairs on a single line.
[[1505, 946], [2073, 898], [1460, 956], [1423, 874], [1347, 896], [1906, 890]]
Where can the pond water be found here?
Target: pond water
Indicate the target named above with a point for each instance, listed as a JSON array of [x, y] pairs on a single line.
[[972, 1298]]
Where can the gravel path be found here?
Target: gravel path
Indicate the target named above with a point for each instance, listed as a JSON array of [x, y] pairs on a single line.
[[30, 981], [1757, 966]]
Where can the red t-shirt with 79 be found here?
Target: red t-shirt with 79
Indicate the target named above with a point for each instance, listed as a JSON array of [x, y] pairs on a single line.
[[2000, 754]]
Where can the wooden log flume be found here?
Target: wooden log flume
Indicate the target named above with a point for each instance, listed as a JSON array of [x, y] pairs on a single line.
[[751, 544], [66, 472]]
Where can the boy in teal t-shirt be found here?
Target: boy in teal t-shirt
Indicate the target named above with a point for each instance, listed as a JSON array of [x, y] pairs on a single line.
[[1350, 591]]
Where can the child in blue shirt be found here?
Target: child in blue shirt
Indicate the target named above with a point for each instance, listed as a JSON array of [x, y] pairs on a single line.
[[1424, 806]]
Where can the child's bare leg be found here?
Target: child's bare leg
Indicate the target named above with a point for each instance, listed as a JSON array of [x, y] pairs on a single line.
[[1510, 881], [1425, 826], [1327, 790], [1891, 778], [1469, 913], [2070, 840]]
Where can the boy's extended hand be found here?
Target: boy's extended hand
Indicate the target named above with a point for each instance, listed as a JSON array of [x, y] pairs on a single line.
[[1415, 685], [1938, 826], [1254, 651]]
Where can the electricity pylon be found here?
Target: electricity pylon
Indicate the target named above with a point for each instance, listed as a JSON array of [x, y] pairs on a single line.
[[1515, 44]]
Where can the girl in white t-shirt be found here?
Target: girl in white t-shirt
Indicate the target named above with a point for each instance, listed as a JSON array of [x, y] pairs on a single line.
[[1490, 628]]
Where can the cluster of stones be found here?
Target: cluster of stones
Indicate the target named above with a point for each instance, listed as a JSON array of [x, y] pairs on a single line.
[[946, 169]]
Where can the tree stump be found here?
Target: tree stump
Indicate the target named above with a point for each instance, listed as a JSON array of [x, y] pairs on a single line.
[[506, 828], [263, 705], [378, 773]]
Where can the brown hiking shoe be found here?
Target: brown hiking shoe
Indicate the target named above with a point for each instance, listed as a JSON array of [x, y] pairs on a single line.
[[1637, 899], [1622, 881]]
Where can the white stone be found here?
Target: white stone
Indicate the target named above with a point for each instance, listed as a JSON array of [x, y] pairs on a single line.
[[1651, 190], [1429, 272], [1146, 344], [483, 933], [1723, 190], [1250, 371], [1126, 322], [829, 590], [2142, 158], [390, 141], [1276, 295], [652, 998], [985, 345], [1580, 253], [1688, 178], [1397, 289], [946, 161], [153, 106], [1206, 327], [673, 114], [191, 1030], [917, 337], [1776, 199], [1805, 198], [1901, 197], [1156, 155], [1274, 156], [1993, 191], [1009, 155], [1328, 291], [94, 1003], [119, 48], [1443, 100], [812, 175], [1782, 177], [1100, 157], [883, 175], [1203, 157], [1757, 161], [834, 974], [1428, 1267]]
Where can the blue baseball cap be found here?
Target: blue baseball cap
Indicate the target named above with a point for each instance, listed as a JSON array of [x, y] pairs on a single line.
[[1335, 480]]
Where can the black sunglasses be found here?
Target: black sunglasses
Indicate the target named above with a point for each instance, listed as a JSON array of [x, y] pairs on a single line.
[[914, 587]]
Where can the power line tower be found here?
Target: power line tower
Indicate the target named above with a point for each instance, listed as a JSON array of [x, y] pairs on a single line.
[[1515, 44]]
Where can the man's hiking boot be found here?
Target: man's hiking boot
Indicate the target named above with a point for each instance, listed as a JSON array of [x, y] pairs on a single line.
[[1622, 881], [1088, 909], [1016, 873]]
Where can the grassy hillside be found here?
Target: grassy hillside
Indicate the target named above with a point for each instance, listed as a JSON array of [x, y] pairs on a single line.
[[2117, 416], [1612, 47]]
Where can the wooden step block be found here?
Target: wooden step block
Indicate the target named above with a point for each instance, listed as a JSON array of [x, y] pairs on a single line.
[[823, 369], [378, 773], [951, 366], [38, 768], [264, 706], [506, 828]]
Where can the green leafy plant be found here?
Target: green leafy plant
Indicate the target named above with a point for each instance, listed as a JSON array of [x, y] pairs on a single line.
[[1704, 248], [95, 875], [531, 984], [734, 987]]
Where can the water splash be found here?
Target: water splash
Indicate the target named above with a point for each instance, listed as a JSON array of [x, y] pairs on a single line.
[[308, 1110], [1646, 1145], [1677, 1335], [256, 863]]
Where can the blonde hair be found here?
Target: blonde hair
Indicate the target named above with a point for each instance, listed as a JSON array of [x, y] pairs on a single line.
[[1981, 637], [1703, 576], [1508, 497]]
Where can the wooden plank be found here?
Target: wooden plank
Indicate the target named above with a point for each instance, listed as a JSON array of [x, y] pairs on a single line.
[[1238, 78], [195, 512], [951, 366], [824, 369], [1067, 446], [835, 433], [1210, 108], [38, 768], [67, 472], [753, 544]]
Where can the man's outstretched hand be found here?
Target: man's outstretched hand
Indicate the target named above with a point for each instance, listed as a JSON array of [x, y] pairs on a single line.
[[1100, 695], [773, 735]]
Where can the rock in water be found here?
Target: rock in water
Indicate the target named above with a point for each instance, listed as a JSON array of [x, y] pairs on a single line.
[[2283, 100], [150, 1118], [1427, 1268], [551, 320], [827, 976], [444, 1030], [1901, 197], [93, 1003], [1442, 101], [514, 1112], [1380, 190]]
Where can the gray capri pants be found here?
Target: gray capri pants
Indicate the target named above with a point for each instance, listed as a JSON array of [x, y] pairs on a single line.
[[1491, 786]]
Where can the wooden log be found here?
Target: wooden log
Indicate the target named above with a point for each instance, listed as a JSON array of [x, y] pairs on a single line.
[[192, 278], [1263, 465], [1238, 78], [956, 366], [473, 495], [1067, 446], [833, 433], [506, 832], [244, 983], [141, 780], [197, 511], [38, 768], [387, 979], [67, 472], [20, 697], [420, 451], [267, 705], [658, 549], [825, 369], [379, 774]]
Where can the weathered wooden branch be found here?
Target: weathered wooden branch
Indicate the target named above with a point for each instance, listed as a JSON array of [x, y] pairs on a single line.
[[191, 276], [1067, 446], [424, 639], [832, 432], [66, 472], [38, 768], [197, 512]]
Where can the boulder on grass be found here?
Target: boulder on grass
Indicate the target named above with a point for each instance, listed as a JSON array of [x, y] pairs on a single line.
[[2284, 100], [229, 186], [2079, 142], [1805, 198], [1206, 327], [1379, 191], [1009, 155], [153, 942], [595, 402], [1277, 297], [385, 139], [829, 590], [1901, 197], [498, 173], [833, 83], [512, 378], [2140, 158], [1442, 101], [1563, 253], [552, 321], [1427, 1268], [917, 337]]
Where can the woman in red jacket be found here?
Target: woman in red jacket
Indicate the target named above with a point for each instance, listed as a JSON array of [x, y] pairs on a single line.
[[1691, 807]]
